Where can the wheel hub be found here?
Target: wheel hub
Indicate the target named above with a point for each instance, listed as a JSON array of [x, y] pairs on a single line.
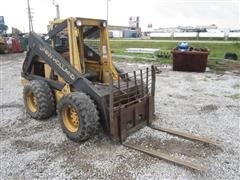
[[70, 118], [32, 102]]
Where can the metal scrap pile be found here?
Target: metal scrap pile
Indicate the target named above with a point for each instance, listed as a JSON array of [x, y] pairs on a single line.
[[184, 46]]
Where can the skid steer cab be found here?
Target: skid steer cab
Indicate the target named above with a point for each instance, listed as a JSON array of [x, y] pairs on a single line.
[[70, 70]]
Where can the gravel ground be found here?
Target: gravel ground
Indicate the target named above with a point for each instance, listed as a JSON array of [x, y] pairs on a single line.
[[203, 103]]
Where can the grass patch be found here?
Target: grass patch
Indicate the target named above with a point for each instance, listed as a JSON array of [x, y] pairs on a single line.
[[236, 86], [215, 60], [217, 50], [136, 60], [235, 96], [220, 66]]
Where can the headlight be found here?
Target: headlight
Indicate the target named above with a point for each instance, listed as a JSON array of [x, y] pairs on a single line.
[[46, 38], [78, 23], [104, 24]]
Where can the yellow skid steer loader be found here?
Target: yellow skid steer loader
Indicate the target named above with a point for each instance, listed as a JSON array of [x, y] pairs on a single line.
[[70, 70]]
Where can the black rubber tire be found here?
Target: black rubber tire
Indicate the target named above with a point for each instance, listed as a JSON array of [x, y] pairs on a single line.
[[44, 97], [86, 110], [231, 56], [1, 48], [6, 51]]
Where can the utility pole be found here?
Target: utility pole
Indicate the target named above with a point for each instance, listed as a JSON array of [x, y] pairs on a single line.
[[57, 9], [29, 18], [107, 9]]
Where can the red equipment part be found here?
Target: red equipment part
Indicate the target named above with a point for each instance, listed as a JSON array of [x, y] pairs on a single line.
[[16, 46], [11, 45]]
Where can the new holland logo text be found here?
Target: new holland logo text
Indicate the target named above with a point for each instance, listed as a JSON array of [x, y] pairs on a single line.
[[57, 62]]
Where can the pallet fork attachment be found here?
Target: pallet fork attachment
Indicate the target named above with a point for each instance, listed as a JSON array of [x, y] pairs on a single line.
[[186, 135], [167, 157]]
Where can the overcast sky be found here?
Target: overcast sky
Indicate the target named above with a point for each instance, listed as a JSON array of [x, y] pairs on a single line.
[[160, 13]]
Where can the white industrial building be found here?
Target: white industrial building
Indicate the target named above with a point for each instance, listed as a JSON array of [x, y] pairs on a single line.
[[199, 32], [211, 35], [186, 34]]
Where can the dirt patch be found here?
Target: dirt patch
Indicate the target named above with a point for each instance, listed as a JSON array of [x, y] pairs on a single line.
[[209, 108], [221, 66], [22, 146], [11, 106]]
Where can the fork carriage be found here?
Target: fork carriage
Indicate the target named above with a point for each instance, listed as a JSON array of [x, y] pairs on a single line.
[[131, 102]]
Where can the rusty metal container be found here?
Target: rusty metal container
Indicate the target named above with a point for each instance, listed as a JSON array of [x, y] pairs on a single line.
[[191, 61]]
